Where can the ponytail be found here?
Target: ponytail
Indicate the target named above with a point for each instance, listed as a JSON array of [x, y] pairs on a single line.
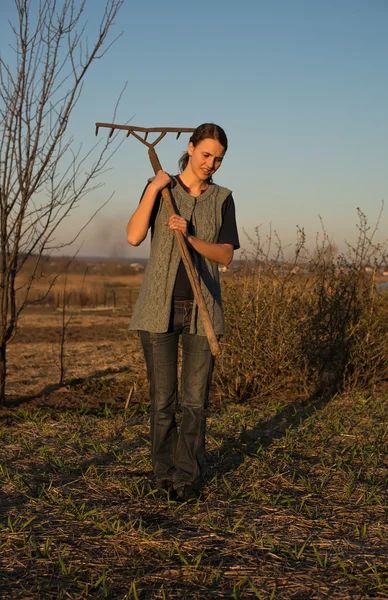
[[183, 161]]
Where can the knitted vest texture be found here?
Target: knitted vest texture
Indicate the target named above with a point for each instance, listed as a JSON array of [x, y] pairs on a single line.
[[153, 306]]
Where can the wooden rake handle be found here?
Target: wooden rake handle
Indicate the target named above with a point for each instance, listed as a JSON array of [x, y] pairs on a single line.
[[188, 263]]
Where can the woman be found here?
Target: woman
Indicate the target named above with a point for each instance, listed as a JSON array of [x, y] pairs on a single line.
[[166, 309]]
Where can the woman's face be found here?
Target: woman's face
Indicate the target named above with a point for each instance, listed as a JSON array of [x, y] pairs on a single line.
[[206, 157]]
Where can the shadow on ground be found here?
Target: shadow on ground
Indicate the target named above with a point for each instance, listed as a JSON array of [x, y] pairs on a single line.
[[231, 454], [71, 392]]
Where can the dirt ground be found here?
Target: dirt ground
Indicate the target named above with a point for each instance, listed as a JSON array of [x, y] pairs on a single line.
[[100, 353]]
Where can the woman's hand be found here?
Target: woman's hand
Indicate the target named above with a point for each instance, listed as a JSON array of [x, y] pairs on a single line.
[[160, 181], [178, 223], [139, 222], [220, 253]]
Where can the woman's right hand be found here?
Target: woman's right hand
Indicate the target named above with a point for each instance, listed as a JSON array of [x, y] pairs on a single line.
[[139, 222], [160, 181]]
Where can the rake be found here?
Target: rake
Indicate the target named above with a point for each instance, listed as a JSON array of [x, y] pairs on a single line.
[[168, 202]]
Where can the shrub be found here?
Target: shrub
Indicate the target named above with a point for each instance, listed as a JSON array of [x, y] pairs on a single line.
[[310, 324]]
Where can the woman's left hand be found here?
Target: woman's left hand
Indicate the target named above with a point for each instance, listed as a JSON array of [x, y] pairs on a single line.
[[178, 223]]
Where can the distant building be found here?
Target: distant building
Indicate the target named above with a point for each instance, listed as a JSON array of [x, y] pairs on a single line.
[[137, 266]]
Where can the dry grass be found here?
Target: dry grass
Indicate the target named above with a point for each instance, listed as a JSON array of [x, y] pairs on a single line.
[[295, 500], [82, 290]]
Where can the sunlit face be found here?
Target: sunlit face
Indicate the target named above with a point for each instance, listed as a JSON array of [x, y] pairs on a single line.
[[206, 157]]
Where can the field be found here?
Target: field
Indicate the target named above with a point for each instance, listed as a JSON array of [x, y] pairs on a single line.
[[294, 505]]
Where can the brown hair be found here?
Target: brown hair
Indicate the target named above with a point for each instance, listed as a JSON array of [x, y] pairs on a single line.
[[203, 132]]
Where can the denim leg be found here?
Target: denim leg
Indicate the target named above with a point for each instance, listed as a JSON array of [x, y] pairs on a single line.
[[197, 369], [161, 354]]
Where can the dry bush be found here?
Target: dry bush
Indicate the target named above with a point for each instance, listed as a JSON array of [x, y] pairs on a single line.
[[307, 325]]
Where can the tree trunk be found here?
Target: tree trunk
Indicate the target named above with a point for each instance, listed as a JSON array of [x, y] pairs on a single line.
[[3, 372]]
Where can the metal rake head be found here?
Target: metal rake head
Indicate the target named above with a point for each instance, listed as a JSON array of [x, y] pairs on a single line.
[[131, 129]]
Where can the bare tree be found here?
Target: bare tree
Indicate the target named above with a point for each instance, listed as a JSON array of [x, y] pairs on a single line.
[[41, 178]]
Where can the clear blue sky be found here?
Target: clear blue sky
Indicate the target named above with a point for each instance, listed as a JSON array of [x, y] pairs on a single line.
[[300, 86]]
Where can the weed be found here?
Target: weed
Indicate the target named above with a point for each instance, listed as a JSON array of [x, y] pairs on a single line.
[[18, 524]]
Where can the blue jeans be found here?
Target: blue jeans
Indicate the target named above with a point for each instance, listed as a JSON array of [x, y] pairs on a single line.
[[178, 456]]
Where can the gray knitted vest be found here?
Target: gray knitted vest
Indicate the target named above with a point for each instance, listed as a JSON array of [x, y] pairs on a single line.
[[153, 306]]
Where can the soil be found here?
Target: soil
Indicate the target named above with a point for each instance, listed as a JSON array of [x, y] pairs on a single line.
[[100, 355]]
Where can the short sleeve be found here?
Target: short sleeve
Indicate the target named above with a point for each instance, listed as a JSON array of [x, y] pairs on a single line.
[[155, 209], [228, 232]]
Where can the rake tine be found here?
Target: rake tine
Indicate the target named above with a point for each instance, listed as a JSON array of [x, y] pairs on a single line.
[[129, 132], [97, 128], [178, 135], [139, 138], [159, 138], [148, 129], [111, 132], [146, 136]]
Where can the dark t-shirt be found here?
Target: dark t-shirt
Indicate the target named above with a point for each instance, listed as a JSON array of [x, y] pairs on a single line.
[[228, 235]]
